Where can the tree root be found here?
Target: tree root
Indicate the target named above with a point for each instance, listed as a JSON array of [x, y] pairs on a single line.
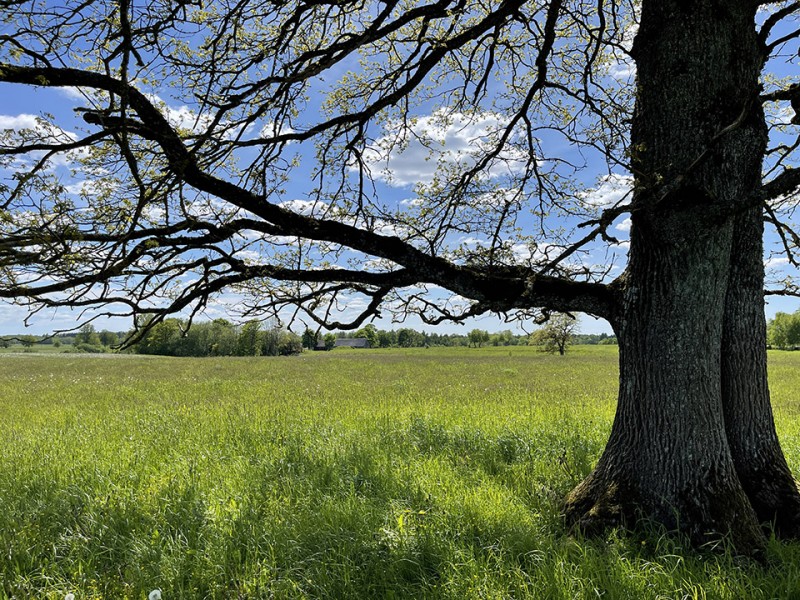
[[708, 519], [774, 496]]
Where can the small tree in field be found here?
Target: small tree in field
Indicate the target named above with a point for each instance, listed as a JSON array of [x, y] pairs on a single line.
[[289, 344], [27, 341], [330, 341], [108, 338], [478, 337], [88, 335], [310, 338], [370, 333], [556, 335]]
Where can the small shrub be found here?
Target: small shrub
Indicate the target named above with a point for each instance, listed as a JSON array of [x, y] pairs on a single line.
[[290, 344], [90, 348]]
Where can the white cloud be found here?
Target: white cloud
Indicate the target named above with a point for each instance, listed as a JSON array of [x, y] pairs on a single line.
[[784, 115], [613, 188], [44, 131], [182, 117], [305, 207], [387, 229], [26, 128], [272, 129], [499, 197], [472, 241], [379, 264], [623, 70], [522, 253], [82, 94], [250, 256], [186, 118], [281, 240], [353, 305], [74, 93], [622, 66], [784, 202], [776, 261], [154, 213], [23, 121], [408, 156], [257, 236], [89, 187], [624, 226]]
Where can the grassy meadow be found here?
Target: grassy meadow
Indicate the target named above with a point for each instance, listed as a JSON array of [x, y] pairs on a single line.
[[428, 473]]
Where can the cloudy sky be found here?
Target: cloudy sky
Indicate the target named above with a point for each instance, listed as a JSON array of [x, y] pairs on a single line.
[[397, 169]]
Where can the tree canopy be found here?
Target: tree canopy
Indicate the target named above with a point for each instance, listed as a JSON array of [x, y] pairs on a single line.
[[557, 334], [784, 330], [197, 122]]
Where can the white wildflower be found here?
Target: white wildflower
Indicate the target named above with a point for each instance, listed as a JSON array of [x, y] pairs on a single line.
[[154, 595], [69, 596]]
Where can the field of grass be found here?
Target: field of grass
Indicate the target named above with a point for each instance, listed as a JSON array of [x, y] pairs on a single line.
[[352, 474]]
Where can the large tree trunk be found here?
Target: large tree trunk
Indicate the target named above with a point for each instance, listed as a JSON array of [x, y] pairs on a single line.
[[757, 454], [668, 456], [698, 136]]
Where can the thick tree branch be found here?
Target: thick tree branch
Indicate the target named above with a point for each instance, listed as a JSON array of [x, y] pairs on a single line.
[[785, 184], [499, 292]]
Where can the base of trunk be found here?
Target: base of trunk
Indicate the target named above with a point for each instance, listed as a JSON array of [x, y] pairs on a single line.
[[774, 495], [710, 516], [593, 507]]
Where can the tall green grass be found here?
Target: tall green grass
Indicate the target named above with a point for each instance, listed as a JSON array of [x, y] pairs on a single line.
[[353, 474]]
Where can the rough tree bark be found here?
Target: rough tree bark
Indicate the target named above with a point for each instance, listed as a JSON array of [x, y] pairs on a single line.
[[757, 454], [698, 140]]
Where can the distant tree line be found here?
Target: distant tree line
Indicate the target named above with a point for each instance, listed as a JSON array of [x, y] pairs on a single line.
[[220, 337], [783, 331], [87, 339], [173, 337], [407, 337], [411, 338]]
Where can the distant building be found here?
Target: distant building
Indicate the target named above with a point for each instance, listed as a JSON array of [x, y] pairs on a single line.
[[345, 343]]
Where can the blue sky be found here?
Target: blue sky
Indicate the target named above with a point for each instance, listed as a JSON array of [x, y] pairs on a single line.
[[396, 175], [395, 179]]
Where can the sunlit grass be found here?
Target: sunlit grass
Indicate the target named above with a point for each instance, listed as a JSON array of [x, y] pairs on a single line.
[[354, 474]]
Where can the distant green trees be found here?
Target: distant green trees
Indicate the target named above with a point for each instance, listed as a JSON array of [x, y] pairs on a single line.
[[556, 334], [504, 338], [28, 341], [220, 337], [370, 333], [310, 339], [87, 335], [478, 337], [330, 341], [108, 338], [88, 339], [410, 338], [784, 331]]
